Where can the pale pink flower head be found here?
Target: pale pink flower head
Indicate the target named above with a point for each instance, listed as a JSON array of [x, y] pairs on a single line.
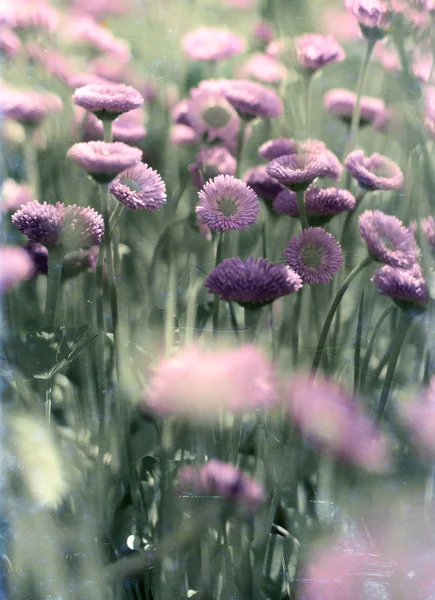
[[211, 162], [315, 51], [139, 187], [210, 115], [10, 44], [264, 186], [298, 171], [227, 203], [29, 15], [341, 102], [53, 61], [214, 44], [102, 160], [14, 195], [315, 255], [264, 68], [418, 415], [240, 3], [375, 172], [83, 29], [282, 146], [406, 287], [339, 23], [107, 101], [332, 420], [183, 134], [221, 480], [28, 107], [374, 16], [198, 383], [15, 265], [263, 31], [253, 100], [100, 8]]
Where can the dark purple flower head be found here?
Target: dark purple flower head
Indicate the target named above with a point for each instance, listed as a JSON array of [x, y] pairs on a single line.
[[103, 160], [298, 171], [109, 100], [282, 146], [208, 43], [375, 172], [315, 51], [341, 102], [16, 265], [374, 16], [252, 282], [315, 255], [387, 240], [265, 68], [28, 107], [219, 479], [139, 187], [227, 203], [211, 162], [263, 185], [428, 227], [406, 287], [53, 225], [252, 99], [321, 204]]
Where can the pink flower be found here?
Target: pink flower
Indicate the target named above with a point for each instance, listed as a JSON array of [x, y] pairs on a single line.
[[374, 16], [182, 134], [15, 265], [339, 23], [418, 415], [104, 160], [107, 101], [9, 43], [211, 162], [264, 68], [14, 195], [341, 102], [28, 107], [83, 29], [208, 43], [315, 51], [253, 99], [210, 114], [263, 31]]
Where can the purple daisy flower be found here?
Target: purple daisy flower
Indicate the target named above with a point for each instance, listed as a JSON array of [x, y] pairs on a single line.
[[104, 160], [406, 287], [264, 186], [265, 68], [374, 16], [252, 282], [16, 265], [298, 171], [28, 107], [321, 204], [54, 225], [211, 115], [226, 203], [315, 51], [428, 227], [387, 239], [315, 255], [209, 43], [375, 172], [211, 162], [282, 146], [252, 99], [341, 102], [139, 187], [109, 100]]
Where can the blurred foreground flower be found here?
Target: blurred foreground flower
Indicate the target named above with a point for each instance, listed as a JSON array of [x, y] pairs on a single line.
[[374, 16], [341, 103], [15, 265], [14, 195], [103, 160], [418, 415], [139, 187], [28, 107], [213, 44], [315, 51]]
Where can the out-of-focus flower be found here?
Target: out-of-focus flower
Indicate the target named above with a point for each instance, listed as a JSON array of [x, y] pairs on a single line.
[[218, 479], [252, 283], [199, 383], [14, 194], [139, 187], [214, 44], [100, 8], [226, 203], [27, 107], [107, 101], [104, 160], [239, 3], [210, 114], [78, 80], [28, 15], [127, 128], [264, 186], [406, 287], [375, 172], [78, 261], [252, 99], [15, 265], [315, 51], [211, 162], [315, 255], [374, 16], [53, 225], [418, 415], [9, 43], [83, 29], [280, 48], [263, 31], [182, 134], [321, 204], [339, 23], [264, 68], [327, 415], [428, 227], [298, 171], [53, 61], [341, 103], [387, 240], [282, 146]]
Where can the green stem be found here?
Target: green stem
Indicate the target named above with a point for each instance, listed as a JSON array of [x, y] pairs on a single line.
[[216, 302], [357, 356], [349, 217], [252, 316], [55, 261], [402, 329], [309, 91], [300, 194], [31, 160], [329, 317], [119, 208], [107, 127], [240, 147], [233, 320], [371, 345]]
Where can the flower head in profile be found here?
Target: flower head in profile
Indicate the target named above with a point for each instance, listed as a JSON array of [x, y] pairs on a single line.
[[418, 415], [103, 160], [217, 479], [127, 128], [227, 203], [253, 282], [139, 187], [265, 68], [209, 114], [264, 186], [28, 107], [374, 16], [214, 44], [321, 204], [406, 287], [331, 419], [341, 102], [53, 225], [211, 162], [387, 239], [315, 255], [84, 30], [375, 172], [298, 171], [198, 383], [282, 146], [16, 265], [315, 51], [253, 100], [107, 101]]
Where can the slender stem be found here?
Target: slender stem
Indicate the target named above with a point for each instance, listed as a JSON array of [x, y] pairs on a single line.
[[107, 126], [329, 317], [119, 208], [402, 329], [233, 320], [216, 302], [300, 194], [252, 316], [240, 147], [55, 261], [48, 398], [264, 235], [357, 359], [170, 307], [350, 215], [31, 160], [309, 115], [371, 345]]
